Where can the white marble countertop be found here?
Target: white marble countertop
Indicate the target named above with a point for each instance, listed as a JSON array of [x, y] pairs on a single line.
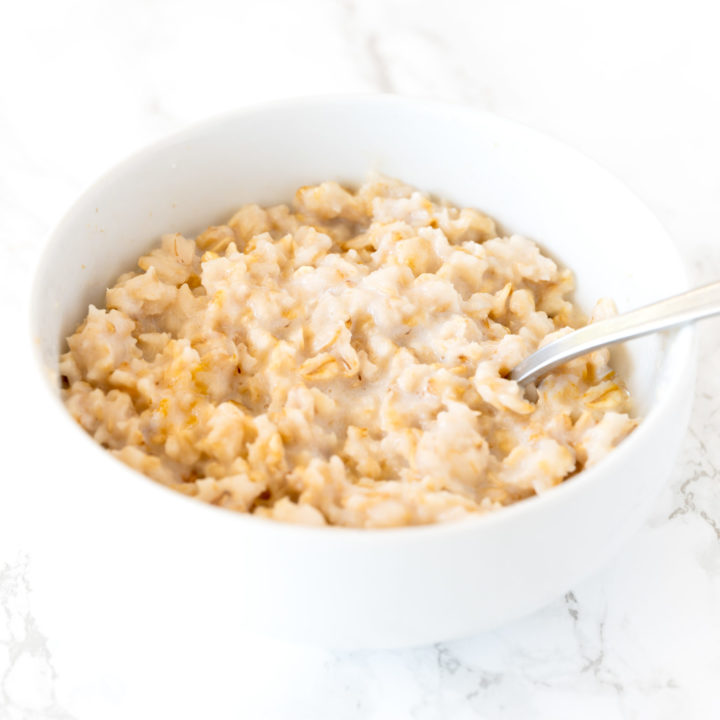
[[632, 84]]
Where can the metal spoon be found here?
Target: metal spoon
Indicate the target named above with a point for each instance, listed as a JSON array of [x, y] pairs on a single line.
[[677, 310]]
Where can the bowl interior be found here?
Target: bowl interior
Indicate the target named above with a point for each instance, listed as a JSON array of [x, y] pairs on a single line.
[[530, 184]]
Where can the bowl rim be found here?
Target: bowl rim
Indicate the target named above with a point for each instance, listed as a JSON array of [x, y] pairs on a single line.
[[683, 341]]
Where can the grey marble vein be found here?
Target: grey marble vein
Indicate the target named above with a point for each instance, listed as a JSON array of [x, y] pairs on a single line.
[[366, 46], [27, 674]]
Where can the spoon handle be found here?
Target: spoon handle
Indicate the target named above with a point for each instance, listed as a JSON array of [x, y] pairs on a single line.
[[677, 310]]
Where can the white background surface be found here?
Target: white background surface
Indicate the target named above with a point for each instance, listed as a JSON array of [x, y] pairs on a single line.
[[632, 84]]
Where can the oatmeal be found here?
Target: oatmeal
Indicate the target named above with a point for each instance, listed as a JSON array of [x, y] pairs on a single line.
[[343, 361]]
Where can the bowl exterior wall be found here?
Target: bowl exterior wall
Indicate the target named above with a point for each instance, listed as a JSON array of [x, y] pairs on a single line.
[[141, 559]]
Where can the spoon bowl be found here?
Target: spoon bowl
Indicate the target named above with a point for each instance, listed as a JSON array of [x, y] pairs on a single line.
[[680, 309]]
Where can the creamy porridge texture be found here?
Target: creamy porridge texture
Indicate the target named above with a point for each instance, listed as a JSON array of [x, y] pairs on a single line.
[[342, 362]]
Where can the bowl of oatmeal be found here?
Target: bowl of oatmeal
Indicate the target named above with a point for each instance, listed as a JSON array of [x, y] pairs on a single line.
[[276, 348]]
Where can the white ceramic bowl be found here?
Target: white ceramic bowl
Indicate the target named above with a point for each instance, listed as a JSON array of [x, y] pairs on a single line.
[[141, 551]]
